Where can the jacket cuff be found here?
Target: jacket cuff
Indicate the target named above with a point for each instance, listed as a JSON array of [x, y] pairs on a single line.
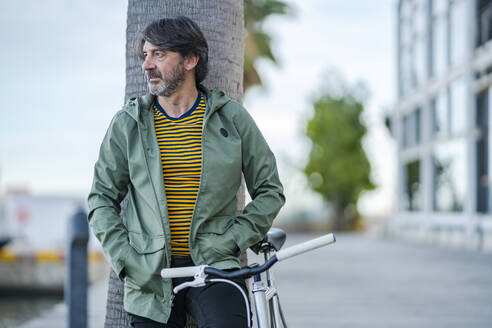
[[239, 238]]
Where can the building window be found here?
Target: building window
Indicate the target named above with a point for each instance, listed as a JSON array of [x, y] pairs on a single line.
[[440, 116], [421, 64], [413, 45], [439, 7], [458, 105], [449, 110], [449, 172], [458, 31], [412, 195], [411, 129], [482, 123], [439, 37], [484, 19], [406, 76], [420, 61]]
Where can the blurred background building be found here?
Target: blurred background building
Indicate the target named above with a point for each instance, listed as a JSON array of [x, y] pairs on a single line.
[[441, 122]]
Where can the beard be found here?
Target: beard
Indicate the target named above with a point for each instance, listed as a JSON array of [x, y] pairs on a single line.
[[168, 84]]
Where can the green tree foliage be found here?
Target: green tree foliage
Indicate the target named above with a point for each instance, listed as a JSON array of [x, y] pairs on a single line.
[[258, 42], [338, 168]]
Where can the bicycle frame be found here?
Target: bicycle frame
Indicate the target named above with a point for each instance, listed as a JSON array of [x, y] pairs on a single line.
[[266, 299]]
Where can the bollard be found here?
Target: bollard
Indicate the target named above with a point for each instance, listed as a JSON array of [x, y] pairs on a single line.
[[76, 270]]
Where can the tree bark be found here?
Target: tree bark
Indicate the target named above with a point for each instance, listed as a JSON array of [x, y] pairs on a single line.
[[337, 213], [222, 23]]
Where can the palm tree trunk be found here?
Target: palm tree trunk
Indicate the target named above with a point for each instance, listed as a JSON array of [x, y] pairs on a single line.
[[222, 23]]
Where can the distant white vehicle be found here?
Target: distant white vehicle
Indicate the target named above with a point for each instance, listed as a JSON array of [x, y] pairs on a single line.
[[38, 221]]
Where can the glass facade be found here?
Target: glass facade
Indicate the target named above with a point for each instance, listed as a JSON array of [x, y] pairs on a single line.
[[421, 41], [443, 118], [439, 36], [406, 54], [413, 45], [483, 144], [445, 164], [458, 31], [484, 19], [482, 122], [449, 115], [411, 129], [449, 173], [440, 116], [459, 106], [449, 110]]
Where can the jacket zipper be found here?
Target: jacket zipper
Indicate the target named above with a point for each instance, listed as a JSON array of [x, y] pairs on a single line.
[[205, 120], [168, 262]]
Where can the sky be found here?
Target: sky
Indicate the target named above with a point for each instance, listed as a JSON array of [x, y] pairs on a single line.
[[62, 76]]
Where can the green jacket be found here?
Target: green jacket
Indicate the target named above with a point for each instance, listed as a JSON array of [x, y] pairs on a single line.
[[129, 162]]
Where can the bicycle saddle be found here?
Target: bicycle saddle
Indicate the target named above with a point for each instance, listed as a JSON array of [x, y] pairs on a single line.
[[275, 238]]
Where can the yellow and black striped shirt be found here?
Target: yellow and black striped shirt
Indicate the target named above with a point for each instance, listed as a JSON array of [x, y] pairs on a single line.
[[180, 145]]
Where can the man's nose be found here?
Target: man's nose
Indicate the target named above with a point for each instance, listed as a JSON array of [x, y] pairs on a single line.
[[148, 64]]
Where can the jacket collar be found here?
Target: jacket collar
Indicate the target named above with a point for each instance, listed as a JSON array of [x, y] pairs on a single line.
[[216, 99]]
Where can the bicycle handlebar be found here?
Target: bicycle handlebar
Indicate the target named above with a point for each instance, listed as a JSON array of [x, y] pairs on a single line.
[[181, 272], [247, 272], [191, 271], [306, 246]]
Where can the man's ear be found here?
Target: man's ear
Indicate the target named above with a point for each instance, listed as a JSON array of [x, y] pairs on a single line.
[[190, 61]]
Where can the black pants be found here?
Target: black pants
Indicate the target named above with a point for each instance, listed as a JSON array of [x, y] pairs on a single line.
[[216, 305]]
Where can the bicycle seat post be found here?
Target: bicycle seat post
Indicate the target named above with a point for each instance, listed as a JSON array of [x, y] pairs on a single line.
[[266, 255], [271, 294]]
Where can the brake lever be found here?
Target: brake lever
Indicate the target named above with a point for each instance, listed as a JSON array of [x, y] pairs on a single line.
[[198, 281]]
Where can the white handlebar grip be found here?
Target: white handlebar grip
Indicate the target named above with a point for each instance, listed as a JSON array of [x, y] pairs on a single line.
[[305, 246], [180, 272]]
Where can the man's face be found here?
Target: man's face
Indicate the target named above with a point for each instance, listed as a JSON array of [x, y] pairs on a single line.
[[164, 70]]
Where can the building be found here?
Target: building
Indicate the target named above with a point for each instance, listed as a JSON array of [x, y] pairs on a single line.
[[441, 122]]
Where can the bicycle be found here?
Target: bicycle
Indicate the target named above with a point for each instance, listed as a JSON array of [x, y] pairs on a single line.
[[266, 299]]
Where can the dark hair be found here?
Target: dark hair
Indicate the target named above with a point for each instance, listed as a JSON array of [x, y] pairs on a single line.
[[179, 34]]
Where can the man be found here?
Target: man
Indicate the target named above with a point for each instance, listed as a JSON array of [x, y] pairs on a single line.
[[179, 153]]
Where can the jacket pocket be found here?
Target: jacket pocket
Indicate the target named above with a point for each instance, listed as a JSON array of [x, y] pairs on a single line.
[[145, 244], [215, 244], [143, 264]]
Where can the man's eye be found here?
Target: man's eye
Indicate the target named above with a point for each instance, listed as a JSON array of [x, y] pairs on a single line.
[[159, 53]]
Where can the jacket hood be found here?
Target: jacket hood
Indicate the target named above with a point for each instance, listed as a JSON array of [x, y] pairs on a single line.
[[216, 98]]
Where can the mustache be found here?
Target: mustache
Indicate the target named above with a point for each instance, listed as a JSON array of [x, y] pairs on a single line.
[[152, 73]]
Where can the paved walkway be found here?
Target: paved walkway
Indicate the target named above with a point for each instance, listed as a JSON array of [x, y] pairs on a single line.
[[365, 282]]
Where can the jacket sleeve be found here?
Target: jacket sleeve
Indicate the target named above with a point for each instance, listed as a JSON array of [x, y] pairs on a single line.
[[109, 187], [263, 183]]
